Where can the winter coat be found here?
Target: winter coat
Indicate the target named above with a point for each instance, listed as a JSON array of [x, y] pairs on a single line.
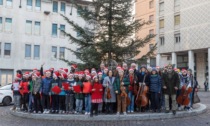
[[170, 83], [24, 85], [63, 92], [36, 85], [46, 86], [117, 84], [79, 95], [53, 84], [111, 87], [97, 95], [71, 84], [155, 83], [184, 80], [141, 77]]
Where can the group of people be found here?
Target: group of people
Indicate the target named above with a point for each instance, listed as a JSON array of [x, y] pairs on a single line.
[[101, 91]]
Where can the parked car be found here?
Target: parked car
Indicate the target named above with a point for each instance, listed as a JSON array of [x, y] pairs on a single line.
[[6, 95]]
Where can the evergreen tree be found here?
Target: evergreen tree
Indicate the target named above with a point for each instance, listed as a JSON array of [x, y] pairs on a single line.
[[109, 33]]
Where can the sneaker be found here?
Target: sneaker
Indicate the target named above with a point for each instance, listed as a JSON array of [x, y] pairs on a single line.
[[189, 110], [56, 111], [60, 112], [86, 113], [132, 111], [124, 113], [63, 112], [39, 112], [75, 112], [180, 108], [34, 112], [47, 112], [118, 113]]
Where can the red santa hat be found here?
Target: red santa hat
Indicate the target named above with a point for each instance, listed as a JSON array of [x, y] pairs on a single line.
[[106, 69], [70, 74], [100, 73], [26, 74], [81, 73], [184, 70], [51, 69], [37, 74], [47, 71], [35, 69], [133, 64], [93, 72], [76, 73], [56, 74], [64, 75], [118, 67], [121, 70], [88, 75], [74, 66], [87, 71], [131, 70], [95, 77]]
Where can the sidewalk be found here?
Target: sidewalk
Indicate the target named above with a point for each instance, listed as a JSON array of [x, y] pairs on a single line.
[[144, 116]]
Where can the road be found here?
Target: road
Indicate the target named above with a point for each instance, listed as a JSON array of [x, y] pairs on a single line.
[[201, 120]]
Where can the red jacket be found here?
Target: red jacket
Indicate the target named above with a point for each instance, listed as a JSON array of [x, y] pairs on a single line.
[[97, 94], [24, 87]]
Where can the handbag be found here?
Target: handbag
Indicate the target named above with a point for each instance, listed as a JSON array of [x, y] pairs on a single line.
[[196, 98]]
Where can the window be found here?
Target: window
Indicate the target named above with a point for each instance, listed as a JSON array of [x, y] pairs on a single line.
[[162, 40], [28, 27], [176, 3], [9, 3], [29, 4], [62, 27], [7, 49], [54, 51], [62, 52], [8, 24], [79, 10], [177, 38], [37, 28], [27, 51], [36, 51], [151, 4], [1, 2], [161, 7], [78, 34], [38, 5], [55, 6], [1, 24], [161, 23], [151, 18], [177, 20], [63, 8], [151, 32], [54, 29], [151, 46]]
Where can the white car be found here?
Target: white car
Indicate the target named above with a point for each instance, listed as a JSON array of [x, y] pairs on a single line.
[[6, 95]]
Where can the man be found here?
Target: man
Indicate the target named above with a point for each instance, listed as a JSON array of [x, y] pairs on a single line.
[[125, 67], [102, 67], [170, 86]]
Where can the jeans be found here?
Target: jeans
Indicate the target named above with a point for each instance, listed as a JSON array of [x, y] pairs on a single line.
[[69, 102], [17, 101], [37, 102], [131, 106], [55, 102], [162, 100], [45, 101], [79, 105], [173, 98], [31, 101], [191, 98], [87, 103], [155, 101]]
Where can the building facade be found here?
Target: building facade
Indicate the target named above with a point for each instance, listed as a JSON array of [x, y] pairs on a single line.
[[146, 11], [183, 30], [30, 35]]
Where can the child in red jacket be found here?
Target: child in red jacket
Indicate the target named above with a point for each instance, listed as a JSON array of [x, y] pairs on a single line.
[[97, 94]]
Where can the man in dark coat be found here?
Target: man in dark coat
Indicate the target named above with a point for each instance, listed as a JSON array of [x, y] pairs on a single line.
[[170, 86]]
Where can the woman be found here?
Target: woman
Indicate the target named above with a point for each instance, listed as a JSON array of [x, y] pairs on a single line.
[[109, 86], [87, 95], [155, 89]]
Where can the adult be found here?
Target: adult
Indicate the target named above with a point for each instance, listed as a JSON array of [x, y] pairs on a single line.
[[170, 85], [109, 88]]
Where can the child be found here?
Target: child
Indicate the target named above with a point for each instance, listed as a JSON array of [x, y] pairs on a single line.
[[79, 95], [54, 96], [45, 92], [16, 93], [70, 94], [24, 86], [62, 95], [36, 83], [97, 94], [87, 96]]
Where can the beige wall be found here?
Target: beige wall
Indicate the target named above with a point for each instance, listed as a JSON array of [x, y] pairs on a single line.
[[143, 12]]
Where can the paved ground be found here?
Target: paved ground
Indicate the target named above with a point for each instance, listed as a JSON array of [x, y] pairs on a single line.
[[202, 120]]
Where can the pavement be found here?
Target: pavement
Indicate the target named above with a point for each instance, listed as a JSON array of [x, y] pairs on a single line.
[[196, 119]]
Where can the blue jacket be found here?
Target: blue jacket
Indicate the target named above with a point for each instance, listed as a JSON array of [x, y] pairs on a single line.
[[63, 92], [155, 83], [46, 86]]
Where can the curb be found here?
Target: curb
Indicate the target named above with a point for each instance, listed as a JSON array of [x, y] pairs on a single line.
[[148, 116]]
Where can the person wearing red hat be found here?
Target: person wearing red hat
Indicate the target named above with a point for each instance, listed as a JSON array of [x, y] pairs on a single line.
[[70, 94], [16, 92], [79, 95], [54, 95], [36, 84], [24, 86], [73, 68], [62, 94], [131, 94], [45, 91], [121, 87]]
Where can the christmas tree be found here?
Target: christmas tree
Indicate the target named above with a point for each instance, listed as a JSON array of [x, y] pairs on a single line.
[[109, 33]]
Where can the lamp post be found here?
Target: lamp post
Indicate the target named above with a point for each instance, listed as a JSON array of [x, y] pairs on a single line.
[[20, 4]]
